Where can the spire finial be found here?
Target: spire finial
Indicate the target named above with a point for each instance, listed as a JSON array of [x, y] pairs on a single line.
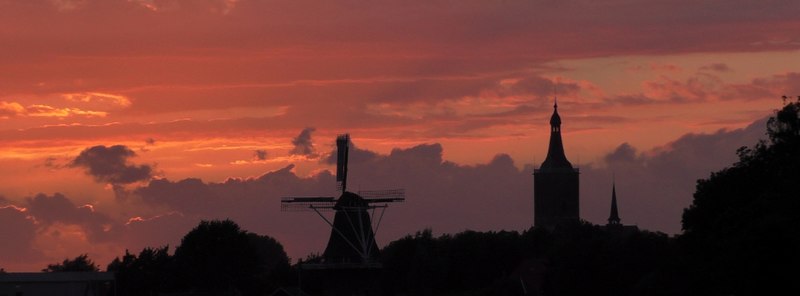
[[555, 96]]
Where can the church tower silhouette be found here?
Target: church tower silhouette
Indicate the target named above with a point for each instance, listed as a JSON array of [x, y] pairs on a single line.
[[555, 183], [614, 222], [613, 217]]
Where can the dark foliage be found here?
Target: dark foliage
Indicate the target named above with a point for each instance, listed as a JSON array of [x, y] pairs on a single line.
[[80, 263], [215, 258], [579, 259], [146, 274], [742, 231], [272, 264], [585, 259], [468, 261]]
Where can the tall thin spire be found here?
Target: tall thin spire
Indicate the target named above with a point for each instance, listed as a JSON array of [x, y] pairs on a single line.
[[613, 218], [556, 159]]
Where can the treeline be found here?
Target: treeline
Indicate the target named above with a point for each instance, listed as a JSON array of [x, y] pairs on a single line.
[[218, 258], [742, 231], [741, 237], [577, 259], [215, 258]]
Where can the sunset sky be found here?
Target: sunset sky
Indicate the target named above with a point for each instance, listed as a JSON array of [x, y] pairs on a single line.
[[123, 123]]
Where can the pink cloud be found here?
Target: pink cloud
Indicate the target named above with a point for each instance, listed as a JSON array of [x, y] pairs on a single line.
[[765, 87]]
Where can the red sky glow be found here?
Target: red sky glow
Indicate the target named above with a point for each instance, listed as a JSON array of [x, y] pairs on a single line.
[[123, 123]]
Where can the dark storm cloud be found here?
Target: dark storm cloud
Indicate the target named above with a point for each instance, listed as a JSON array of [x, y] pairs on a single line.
[[110, 164], [624, 153], [355, 155], [35, 215], [17, 234], [188, 195], [57, 208], [260, 154], [303, 145]]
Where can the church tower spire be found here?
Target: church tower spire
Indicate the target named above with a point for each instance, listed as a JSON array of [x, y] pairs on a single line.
[[555, 152], [555, 182], [613, 218]]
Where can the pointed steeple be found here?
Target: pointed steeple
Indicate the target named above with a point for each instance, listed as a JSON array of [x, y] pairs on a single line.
[[556, 159], [613, 218], [556, 184]]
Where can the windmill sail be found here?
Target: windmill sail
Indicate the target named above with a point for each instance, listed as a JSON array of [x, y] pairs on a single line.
[[342, 151]]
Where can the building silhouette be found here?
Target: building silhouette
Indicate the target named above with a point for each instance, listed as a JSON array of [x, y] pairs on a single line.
[[613, 217], [351, 262], [352, 240], [614, 222], [555, 183], [58, 283]]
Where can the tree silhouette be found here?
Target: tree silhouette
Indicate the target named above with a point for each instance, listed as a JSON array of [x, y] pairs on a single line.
[[579, 259], [742, 230], [147, 274], [214, 258], [272, 263], [80, 263], [219, 258]]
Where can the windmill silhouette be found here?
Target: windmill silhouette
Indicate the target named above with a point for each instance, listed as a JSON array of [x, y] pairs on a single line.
[[352, 240]]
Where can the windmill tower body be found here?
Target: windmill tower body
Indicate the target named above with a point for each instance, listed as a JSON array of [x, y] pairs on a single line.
[[352, 239]]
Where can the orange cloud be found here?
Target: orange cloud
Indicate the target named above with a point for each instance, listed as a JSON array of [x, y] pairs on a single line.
[[98, 97], [48, 111], [13, 109]]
